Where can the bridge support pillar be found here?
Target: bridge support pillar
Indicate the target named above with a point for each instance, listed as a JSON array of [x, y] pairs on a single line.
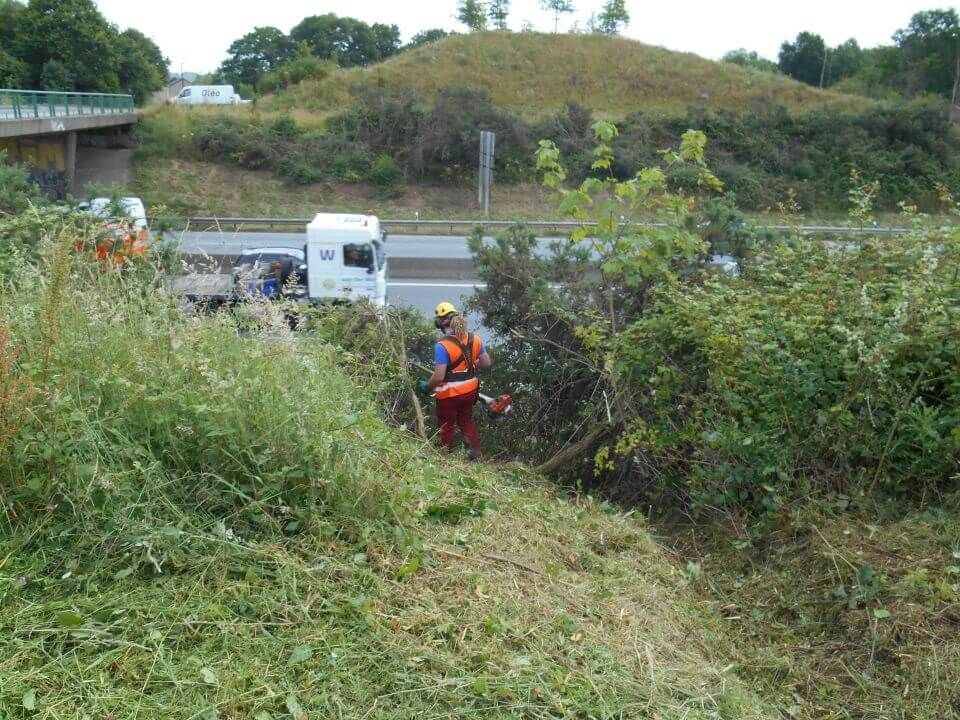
[[70, 161]]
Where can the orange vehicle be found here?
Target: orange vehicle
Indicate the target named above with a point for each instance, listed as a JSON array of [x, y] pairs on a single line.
[[125, 228], [122, 240]]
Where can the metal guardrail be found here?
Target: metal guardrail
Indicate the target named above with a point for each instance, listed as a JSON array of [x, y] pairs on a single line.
[[31, 104], [560, 225]]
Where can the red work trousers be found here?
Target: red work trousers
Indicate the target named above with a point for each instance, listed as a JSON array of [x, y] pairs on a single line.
[[458, 411]]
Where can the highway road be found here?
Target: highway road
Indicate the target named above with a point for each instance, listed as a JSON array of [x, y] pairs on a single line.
[[426, 295], [437, 247]]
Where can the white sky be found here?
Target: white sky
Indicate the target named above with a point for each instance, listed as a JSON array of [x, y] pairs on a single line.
[[197, 33]]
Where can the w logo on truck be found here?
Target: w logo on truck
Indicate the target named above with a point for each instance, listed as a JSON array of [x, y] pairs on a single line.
[[327, 254]]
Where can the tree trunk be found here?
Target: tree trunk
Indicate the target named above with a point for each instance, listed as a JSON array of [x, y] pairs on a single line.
[[571, 452]]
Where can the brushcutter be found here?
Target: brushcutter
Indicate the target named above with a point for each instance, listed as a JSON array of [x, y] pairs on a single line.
[[499, 407]]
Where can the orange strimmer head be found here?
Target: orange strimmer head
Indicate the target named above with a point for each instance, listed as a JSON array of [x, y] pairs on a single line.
[[502, 406]]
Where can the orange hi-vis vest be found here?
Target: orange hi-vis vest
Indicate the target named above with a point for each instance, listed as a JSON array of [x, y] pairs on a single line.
[[461, 377]]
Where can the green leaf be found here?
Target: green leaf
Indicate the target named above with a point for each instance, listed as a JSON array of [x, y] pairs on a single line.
[[69, 619], [263, 715], [208, 676], [300, 654], [30, 699], [881, 613], [209, 714], [121, 574]]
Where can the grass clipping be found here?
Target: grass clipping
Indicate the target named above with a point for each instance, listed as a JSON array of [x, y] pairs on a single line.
[[206, 523]]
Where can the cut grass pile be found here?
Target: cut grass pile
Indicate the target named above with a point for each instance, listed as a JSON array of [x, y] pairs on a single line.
[[535, 74], [201, 523]]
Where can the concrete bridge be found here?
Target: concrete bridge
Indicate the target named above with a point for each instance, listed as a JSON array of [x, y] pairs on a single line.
[[42, 130]]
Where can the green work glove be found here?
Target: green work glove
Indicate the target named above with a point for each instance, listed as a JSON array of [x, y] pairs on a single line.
[[422, 387]]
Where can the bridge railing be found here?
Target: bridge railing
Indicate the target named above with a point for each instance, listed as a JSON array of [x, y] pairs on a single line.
[[28, 104]]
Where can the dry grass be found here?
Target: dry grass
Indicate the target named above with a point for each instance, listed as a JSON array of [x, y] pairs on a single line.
[[853, 609], [535, 74], [201, 189], [198, 188]]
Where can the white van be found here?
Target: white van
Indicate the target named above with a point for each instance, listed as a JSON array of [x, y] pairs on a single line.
[[208, 95], [346, 259]]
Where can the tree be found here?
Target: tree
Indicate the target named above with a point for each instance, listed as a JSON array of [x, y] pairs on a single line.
[[497, 10], [348, 41], [879, 74], [750, 58], [386, 39], [54, 75], [255, 54], [804, 59], [843, 61], [426, 36], [75, 35], [558, 8], [472, 14], [931, 52], [13, 72], [613, 18], [142, 66], [10, 12]]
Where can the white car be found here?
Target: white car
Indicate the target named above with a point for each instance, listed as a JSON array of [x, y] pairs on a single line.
[[124, 208]]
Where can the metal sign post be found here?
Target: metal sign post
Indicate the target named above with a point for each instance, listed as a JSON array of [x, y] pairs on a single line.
[[487, 147]]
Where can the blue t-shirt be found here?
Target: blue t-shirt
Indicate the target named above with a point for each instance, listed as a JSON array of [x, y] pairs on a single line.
[[442, 357]]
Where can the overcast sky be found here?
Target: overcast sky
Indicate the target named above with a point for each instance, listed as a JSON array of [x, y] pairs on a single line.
[[195, 34]]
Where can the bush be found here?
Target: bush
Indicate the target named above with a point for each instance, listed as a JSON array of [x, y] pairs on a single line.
[[817, 370], [816, 367], [302, 67], [17, 193], [384, 173]]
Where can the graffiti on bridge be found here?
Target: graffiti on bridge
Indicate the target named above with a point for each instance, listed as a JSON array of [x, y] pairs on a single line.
[[45, 159]]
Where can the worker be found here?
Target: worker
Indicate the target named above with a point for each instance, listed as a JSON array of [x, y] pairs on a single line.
[[457, 357]]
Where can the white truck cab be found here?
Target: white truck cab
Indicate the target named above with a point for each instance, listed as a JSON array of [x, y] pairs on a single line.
[[346, 259]]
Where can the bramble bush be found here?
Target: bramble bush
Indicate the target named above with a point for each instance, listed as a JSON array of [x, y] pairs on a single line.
[[817, 367]]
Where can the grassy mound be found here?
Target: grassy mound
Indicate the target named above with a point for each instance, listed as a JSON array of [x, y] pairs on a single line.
[[199, 523], [535, 74]]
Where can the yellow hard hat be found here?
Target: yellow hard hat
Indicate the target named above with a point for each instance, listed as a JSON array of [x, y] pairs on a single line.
[[444, 309]]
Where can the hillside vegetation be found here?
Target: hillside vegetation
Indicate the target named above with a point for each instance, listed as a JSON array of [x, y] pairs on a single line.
[[196, 523], [414, 120], [213, 517], [535, 74]]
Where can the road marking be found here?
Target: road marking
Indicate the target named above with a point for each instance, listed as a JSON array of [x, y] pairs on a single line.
[[437, 285]]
